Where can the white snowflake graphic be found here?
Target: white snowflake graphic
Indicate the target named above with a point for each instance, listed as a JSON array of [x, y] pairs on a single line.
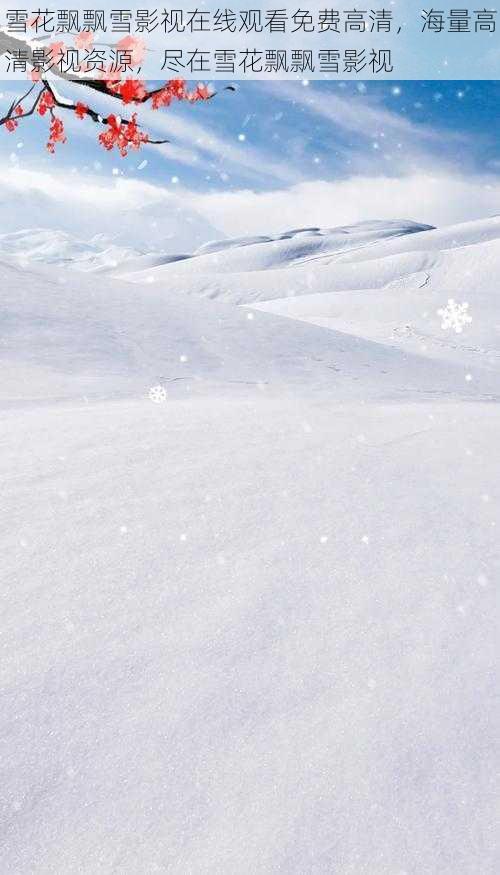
[[454, 316], [157, 394]]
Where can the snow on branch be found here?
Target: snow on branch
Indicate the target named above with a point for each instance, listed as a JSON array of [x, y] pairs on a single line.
[[122, 133]]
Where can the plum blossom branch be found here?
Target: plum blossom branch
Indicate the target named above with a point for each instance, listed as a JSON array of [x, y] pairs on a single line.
[[122, 133]]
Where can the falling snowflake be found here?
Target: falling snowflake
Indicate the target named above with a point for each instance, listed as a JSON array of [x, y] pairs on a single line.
[[454, 316], [157, 394]]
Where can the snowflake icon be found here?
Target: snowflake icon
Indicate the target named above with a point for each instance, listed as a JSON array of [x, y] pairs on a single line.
[[157, 394], [454, 316]]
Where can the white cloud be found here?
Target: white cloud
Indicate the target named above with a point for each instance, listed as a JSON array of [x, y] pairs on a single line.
[[194, 142], [131, 212], [434, 199], [92, 190], [136, 212]]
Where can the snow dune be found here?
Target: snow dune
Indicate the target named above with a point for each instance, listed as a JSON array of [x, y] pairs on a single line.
[[251, 629], [61, 248], [383, 282], [101, 253], [291, 248]]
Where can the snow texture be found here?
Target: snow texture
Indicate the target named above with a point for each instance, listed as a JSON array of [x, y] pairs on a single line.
[[251, 628]]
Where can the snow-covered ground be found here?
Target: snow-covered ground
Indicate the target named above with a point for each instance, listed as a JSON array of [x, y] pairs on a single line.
[[250, 628]]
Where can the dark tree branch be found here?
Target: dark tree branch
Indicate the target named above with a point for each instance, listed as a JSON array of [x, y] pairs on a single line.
[[95, 116], [9, 43], [11, 114]]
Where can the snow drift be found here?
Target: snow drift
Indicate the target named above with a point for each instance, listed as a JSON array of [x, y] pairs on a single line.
[[250, 629]]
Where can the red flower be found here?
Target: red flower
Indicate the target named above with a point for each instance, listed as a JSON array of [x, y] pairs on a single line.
[[118, 134], [11, 123], [46, 102], [84, 40], [56, 133], [57, 51], [130, 91], [161, 98], [81, 110], [201, 92], [123, 135], [175, 89], [135, 46]]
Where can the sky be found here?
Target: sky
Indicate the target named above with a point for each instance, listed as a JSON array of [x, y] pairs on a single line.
[[274, 154]]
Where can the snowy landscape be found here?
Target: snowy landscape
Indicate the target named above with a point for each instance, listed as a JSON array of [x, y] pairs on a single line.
[[250, 543]]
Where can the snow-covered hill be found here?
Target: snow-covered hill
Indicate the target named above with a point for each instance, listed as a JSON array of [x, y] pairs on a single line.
[[386, 282], [395, 292], [249, 628], [294, 248], [240, 254], [63, 249], [129, 213]]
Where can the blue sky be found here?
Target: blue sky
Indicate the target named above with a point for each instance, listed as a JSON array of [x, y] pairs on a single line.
[[269, 135], [272, 156]]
